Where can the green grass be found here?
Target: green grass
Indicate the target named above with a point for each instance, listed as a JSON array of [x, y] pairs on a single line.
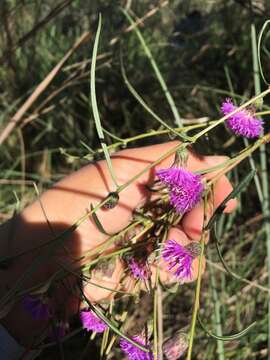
[[36, 35]]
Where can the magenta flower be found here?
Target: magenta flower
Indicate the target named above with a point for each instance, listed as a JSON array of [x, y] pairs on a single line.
[[138, 269], [242, 123], [134, 353], [37, 307], [180, 258], [185, 188], [91, 322]]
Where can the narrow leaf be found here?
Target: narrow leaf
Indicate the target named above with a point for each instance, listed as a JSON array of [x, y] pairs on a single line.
[[259, 50], [227, 337], [223, 261], [97, 222], [154, 65], [113, 326], [147, 108], [94, 104], [236, 191]]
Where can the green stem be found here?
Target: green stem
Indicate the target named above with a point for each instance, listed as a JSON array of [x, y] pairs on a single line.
[[153, 164], [198, 286], [147, 108], [95, 107], [59, 239], [155, 324], [243, 155], [124, 142], [263, 161], [159, 76], [217, 317], [251, 101]]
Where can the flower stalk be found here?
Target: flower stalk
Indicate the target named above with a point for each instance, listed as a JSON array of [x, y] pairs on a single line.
[[198, 285]]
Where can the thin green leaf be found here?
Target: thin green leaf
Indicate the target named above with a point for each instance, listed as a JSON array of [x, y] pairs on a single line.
[[234, 193], [105, 337], [92, 152], [263, 157], [98, 223], [69, 156], [217, 313], [227, 337], [159, 76], [233, 274], [112, 135], [259, 51], [172, 290], [226, 267], [147, 108], [94, 104], [113, 326], [223, 261]]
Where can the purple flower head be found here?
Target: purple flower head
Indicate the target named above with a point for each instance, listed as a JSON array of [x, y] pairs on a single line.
[[175, 346], [180, 258], [134, 353], [91, 322], [185, 188], [242, 123], [138, 269], [37, 307]]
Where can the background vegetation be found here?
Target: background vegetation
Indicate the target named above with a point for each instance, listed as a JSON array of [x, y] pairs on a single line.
[[203, 49]]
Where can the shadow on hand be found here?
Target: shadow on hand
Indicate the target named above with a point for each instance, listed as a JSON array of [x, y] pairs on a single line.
[[36, 252]]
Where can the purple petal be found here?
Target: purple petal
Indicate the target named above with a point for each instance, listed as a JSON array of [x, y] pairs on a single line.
[[179, 259], [134, 353], [243, 123], [185, 188], [91, 322], [139, 269]]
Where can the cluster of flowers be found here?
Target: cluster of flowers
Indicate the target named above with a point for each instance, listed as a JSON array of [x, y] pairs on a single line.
[[185, 191], [39, 308]]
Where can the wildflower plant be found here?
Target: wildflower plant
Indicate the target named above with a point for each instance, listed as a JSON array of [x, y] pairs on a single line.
[[179, 258], [185, 188], [243, 122], [175, 191], [132, 352], [139, 269], [91, 322]]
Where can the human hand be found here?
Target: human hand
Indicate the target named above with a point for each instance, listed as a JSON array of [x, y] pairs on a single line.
[[70, 198]]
